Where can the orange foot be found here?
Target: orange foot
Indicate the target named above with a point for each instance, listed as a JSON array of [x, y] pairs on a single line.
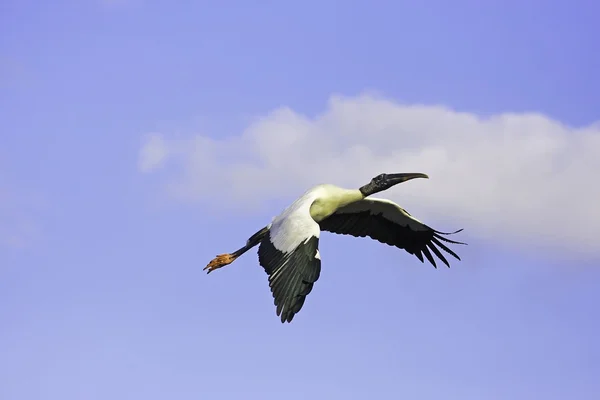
[[219, 261]]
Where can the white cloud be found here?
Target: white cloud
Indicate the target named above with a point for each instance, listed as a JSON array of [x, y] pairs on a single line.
[[513, 176], [153, 153]]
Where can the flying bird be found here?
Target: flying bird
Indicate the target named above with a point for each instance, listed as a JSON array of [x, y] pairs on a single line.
[[289, 246]]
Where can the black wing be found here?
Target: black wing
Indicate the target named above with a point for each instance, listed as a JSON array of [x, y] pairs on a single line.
[[291, 274], [387, 222]]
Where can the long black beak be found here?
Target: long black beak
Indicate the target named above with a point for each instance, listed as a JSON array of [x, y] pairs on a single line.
[[394, 179]]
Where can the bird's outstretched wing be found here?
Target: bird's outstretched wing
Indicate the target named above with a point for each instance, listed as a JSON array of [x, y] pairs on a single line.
[[289, 254], [387, 222]]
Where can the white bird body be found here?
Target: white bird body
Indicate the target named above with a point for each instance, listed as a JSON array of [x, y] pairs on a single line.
[[289, 245], [290, 228], [300, 219]]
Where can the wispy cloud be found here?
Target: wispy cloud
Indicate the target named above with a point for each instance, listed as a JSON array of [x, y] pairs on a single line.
[[153, 153], [513, 176]]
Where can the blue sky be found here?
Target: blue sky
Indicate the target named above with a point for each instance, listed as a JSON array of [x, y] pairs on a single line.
[[139, 139]]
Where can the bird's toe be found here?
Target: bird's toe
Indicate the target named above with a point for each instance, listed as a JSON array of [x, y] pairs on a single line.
[[219, 261]]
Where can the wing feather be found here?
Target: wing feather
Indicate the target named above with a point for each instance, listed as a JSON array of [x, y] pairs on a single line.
[[387, 222], [289, 256]]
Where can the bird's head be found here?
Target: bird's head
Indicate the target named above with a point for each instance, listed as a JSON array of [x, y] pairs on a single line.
[[385, 181]]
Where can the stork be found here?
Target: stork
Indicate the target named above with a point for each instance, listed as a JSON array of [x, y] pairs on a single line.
[[289, 246]]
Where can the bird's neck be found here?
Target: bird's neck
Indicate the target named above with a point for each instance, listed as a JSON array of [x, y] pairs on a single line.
[[349, 197], [324, 206], [369, 189]]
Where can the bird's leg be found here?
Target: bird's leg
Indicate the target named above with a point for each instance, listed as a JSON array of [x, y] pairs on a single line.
[[222, 260]]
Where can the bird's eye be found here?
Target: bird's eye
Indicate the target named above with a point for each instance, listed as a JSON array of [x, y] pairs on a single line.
[[380, 178]]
